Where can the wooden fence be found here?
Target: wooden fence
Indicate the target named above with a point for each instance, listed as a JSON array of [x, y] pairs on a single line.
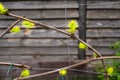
[[44, 45]]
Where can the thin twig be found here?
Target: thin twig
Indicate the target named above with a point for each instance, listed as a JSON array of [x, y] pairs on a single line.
[[16, 65], [69, 67], [1, 35]]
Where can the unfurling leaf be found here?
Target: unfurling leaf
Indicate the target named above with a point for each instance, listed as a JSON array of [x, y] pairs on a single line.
[[3, 10], [110, 70], [25, 73], [28, 24], [95, 55], [72, 26], [82, 46], [15, 29], [63, 72]]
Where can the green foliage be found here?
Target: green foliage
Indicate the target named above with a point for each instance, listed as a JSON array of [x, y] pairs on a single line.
[[116, 47], [72, 26], [3, 10], [115, 75], [28, 24]]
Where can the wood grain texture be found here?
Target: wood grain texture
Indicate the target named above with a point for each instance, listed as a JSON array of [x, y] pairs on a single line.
[[62, 24], [54, 42], [60, 14], [103, 28], [61, 5], [49, 51], [44, 46], [43, 33]]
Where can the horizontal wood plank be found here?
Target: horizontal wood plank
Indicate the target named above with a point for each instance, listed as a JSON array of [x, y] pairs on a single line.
[[62, 23], [103, 24], [103, 14], [40, 58], [42, 33], [50, 51], [106, 4], [60, 4], [103, 33], [60, 14], [53, 42], [43, 14]]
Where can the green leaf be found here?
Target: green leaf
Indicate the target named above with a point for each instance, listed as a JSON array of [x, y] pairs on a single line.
[[82, 46], [15, 29], [25, 73], [3, 10], [28, 24], [72, 26]]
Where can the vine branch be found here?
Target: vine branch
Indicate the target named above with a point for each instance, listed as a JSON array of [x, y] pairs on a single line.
[[53, 28], [68, 67], [58, 30], [16, 65]]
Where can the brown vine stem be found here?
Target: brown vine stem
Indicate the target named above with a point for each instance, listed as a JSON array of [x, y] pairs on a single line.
[[16, 65], [53, 28], [1, 35], [68, 67]]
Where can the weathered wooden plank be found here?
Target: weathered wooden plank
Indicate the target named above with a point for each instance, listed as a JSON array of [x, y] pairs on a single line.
[[40, 51], [60, 14], [103, 24], [108, 24], [101, 42], [38, 34], [60, 4], [14, 58], [104, 51], [50, 51], [44, 58], [103, 33], [42, 33], [103, 14], [106, 4], [44, 14], [53, 42], [36, 42], [36, 57]]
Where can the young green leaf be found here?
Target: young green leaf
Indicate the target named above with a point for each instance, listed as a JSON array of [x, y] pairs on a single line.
[[110, 70], [95, 55], [28, 24], [72, 26], [63, 72], [82, 46], [15, 29], [25, 73], [3, 10]]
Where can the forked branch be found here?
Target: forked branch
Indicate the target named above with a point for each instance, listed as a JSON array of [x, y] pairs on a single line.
[[10, 27]]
